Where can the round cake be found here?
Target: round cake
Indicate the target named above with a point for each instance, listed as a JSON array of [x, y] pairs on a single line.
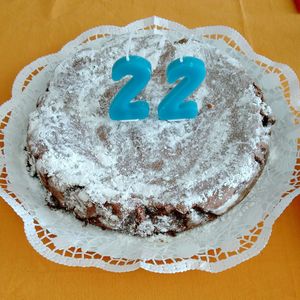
[[150, 176]]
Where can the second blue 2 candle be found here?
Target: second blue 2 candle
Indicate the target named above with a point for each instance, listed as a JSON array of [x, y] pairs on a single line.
[[174, 105]]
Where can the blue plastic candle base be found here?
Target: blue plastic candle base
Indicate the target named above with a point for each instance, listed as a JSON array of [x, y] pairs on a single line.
[[136, 111], [188, 110]]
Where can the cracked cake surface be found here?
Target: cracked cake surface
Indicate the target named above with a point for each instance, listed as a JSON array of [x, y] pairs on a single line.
[[148, 177]]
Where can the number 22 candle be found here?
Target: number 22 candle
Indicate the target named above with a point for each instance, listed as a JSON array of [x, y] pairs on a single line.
[[173, 106]]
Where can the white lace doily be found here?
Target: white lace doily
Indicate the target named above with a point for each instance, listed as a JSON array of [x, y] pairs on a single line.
[[231, 239]]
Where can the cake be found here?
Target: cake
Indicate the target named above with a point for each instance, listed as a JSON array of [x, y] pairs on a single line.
[[150, 176]]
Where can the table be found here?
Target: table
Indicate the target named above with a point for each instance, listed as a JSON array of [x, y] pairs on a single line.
[[29, 29]]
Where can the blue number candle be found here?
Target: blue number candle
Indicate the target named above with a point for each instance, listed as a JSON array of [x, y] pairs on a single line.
[[173, 106], [121, 108]]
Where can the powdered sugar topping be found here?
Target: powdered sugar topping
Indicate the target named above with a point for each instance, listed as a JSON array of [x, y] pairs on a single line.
[[185, 161]]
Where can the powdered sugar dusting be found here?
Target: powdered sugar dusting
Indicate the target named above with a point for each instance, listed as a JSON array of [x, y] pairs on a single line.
[[174, 162]]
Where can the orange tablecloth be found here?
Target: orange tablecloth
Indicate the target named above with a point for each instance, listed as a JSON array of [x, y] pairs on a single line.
[[29, 29]]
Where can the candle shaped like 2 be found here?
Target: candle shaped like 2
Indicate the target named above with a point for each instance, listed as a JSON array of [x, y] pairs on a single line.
[[121, 108], [173, 106]]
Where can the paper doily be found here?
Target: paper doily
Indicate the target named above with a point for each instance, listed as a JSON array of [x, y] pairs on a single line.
[[237, 236]]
